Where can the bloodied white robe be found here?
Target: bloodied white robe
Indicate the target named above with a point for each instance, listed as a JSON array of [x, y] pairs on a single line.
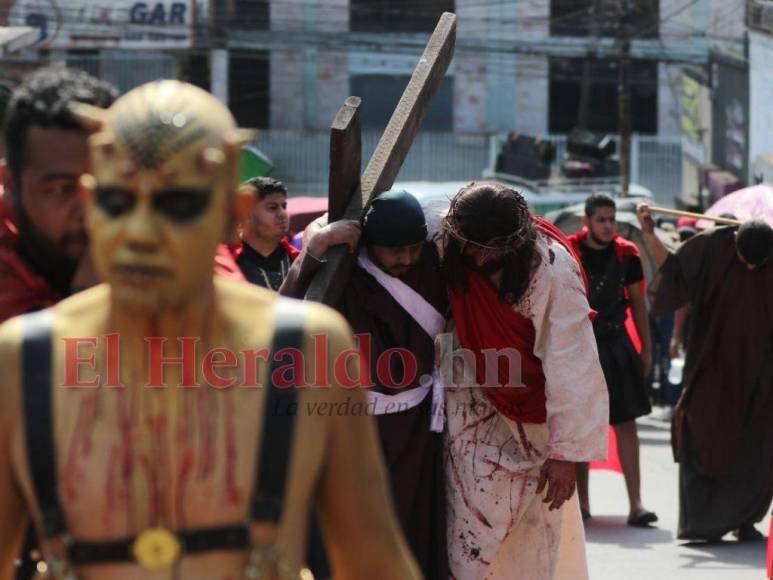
[[498, 527]]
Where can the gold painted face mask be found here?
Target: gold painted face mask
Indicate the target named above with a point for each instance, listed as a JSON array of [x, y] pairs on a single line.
[[165, 163]]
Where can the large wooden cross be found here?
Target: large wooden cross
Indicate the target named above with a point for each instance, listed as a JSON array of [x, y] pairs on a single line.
[[349, 194]]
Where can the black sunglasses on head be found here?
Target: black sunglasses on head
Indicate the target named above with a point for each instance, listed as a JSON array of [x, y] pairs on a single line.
[[180, 204]]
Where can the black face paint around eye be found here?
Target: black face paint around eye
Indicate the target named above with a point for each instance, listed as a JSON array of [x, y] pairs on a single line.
[[115, 201], [182, 205]]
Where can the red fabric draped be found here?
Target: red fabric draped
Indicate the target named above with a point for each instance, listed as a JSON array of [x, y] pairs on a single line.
[[623, 248], [292, 252], [226, 266], [225, 259], [484, 322], [770, 550], [21, 289]]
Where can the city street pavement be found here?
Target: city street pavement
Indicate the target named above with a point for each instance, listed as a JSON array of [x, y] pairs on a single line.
[[619, 552]]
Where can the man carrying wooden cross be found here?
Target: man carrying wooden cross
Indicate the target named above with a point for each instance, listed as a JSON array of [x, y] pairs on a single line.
[[395, 300], [394, 297]]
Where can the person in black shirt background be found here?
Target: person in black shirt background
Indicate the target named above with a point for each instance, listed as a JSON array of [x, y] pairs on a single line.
[[616, 283], [265, 253]]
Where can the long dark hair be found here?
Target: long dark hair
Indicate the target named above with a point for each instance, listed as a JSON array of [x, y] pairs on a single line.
[[493, 218]]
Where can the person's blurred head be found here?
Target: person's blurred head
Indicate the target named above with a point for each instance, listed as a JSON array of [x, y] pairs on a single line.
[[46, 154], [600, 218], [754, 242], [489, 229], [162, 194], [268, 220], [394, 229]]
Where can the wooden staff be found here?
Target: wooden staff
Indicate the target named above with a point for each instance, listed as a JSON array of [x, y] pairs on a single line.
[[700, 216]]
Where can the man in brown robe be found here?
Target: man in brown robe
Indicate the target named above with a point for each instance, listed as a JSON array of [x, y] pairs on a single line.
[[394, 232], [722, 431]]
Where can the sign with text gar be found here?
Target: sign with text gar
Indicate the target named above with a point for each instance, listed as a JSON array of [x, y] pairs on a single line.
[[92, 24]]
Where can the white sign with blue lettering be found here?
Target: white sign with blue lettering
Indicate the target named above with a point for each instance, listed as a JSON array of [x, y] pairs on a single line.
[[72, 24]]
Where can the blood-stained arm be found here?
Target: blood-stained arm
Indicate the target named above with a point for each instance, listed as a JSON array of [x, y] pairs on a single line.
[[13, 513], [362, 534], [577, 398]]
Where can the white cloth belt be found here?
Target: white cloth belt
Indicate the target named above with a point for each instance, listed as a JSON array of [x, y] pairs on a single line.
[[433, 323]]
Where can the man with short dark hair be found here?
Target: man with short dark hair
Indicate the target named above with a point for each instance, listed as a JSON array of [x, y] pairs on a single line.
[[722, 433], [616, 286], [265, 253], [42, 234]]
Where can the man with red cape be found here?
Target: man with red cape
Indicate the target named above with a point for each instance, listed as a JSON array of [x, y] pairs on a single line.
[[617, 292], [519, 303]]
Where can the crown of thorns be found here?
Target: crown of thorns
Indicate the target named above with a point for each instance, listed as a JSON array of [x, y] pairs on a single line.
[[503, 243]]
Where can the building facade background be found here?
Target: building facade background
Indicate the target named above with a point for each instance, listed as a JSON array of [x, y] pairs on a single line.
[[537, 67]]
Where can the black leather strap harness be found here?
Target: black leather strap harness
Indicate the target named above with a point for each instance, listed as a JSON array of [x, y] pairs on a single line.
[[271, 468]]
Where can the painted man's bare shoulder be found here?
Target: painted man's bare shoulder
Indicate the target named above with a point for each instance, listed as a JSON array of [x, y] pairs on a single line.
[[10, 355], [82, 304]]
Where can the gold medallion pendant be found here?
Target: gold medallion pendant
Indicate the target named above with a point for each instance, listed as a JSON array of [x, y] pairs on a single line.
[[156, 549]]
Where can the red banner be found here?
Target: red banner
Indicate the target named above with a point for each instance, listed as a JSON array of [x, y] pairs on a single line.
[[613, 461], [770, 550]]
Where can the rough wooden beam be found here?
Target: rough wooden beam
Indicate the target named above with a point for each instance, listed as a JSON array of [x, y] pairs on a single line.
[[396, 141], [390, 152], [345, 158]]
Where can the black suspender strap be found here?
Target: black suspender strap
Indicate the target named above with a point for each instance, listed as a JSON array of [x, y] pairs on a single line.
[[272, 470], [279, 418], [39, 418]]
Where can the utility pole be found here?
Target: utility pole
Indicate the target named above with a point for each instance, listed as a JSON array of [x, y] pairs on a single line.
[[596, 14], [218, 58], [624, 100]]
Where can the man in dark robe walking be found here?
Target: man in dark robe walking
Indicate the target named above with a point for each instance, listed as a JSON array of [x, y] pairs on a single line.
[[722, 432], [396, 299]]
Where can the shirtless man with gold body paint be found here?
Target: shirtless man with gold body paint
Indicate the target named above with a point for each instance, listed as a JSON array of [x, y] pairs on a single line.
[[157, 482]]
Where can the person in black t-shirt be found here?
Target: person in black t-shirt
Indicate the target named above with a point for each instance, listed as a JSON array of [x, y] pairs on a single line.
[[616, 286], [265, 253]]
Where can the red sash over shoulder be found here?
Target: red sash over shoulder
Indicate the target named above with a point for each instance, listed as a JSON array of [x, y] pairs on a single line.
[[484, 322], [622, 246], [225, 259]]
